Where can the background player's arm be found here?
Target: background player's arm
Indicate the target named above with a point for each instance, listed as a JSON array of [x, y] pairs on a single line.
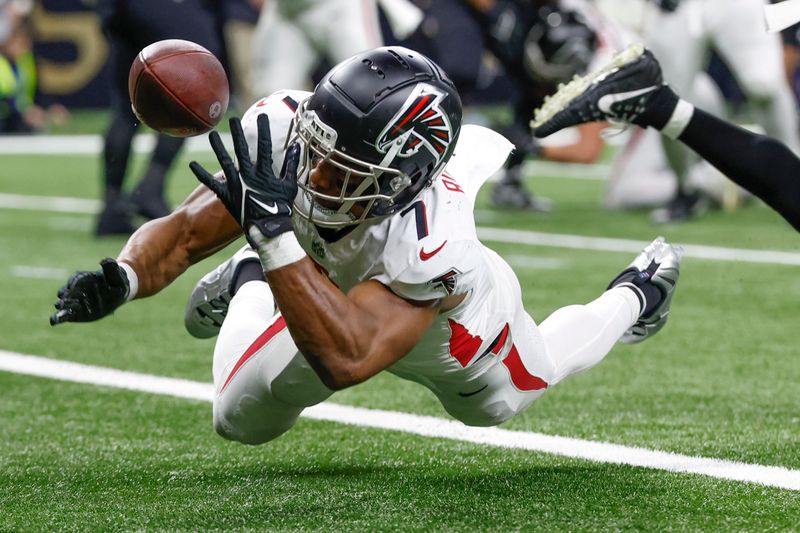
[[164, 248], [347, 338], [587, 149]]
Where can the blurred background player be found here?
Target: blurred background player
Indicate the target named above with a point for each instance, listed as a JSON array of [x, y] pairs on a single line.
[[631, 89], [239, 19], [540, 44], [130, 26], [681, 33], [293, 37]]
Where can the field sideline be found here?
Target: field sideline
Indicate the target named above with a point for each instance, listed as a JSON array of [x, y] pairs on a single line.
[[717, 393]]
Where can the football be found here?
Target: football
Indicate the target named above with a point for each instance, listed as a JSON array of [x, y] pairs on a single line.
[[178, 87]]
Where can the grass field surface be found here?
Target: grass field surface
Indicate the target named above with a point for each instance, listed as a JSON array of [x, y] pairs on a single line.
[[722, 380]]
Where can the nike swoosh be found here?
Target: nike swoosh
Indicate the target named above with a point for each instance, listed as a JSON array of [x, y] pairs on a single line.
[[270, 208], [427, 255], [605, 102], [468, 394]]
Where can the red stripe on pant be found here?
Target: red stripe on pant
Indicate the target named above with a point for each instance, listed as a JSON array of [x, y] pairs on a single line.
[[262, 340], [520, 377]]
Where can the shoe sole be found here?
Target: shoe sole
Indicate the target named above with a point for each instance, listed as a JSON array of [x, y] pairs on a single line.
[[566, 94]]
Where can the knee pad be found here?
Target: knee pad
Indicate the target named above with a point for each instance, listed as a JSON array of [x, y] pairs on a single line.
[[237, 422]]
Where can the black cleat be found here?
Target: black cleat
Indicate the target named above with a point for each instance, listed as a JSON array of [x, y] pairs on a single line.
[[114, 219], [681, 208], [515, 196], [618, 92]]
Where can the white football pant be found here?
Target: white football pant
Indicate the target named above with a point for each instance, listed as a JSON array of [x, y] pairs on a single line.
[[263, 383]]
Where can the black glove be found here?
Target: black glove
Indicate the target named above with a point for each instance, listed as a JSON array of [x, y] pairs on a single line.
[[89, 296], [253, 194], [668, 5]]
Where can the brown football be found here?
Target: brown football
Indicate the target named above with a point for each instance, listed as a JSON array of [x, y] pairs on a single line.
[[178, 87]]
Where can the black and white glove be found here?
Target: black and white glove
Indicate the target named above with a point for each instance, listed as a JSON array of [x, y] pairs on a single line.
[[253, 194], [668, 5], [90, 296]]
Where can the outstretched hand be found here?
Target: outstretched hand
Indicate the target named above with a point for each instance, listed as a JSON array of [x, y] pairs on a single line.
[[253, 194], [89, 296]]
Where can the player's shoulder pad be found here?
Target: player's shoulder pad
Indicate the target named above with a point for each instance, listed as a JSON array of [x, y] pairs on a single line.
[[430, 255], [280, 106], [479, 153], [441, 270]]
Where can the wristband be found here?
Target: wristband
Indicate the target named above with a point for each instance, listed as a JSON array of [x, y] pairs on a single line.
[[133, 280], [276, 252]]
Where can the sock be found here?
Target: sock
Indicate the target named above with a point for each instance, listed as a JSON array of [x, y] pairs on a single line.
[[649, 295], [661, 106], [248, 271]]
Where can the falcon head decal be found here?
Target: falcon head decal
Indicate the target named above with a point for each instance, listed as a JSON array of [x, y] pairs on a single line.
[[420, 124]]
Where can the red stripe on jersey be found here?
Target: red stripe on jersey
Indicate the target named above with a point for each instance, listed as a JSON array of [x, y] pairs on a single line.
[[501, 341], [463, 346], [276, 327], [520, 377]]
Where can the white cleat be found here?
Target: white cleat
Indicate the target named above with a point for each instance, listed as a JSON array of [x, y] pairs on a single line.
[[658, 265], [208, 304]]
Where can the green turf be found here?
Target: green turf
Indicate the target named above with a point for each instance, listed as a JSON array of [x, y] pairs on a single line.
[[79, 458], [722, 380]]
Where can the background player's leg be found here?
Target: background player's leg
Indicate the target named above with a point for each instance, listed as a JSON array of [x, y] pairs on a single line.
[[282, 55], [149, 196], [640, 175], [580, 336], [760, 164], [115, 217], [756, 59], [262, 381], [356, 28]]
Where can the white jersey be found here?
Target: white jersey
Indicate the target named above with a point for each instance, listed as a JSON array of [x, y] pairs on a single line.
[[429, 251]]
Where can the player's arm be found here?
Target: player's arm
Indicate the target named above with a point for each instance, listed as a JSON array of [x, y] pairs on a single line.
[[586, 150], [162, 249], [154, 256], [347, 338]]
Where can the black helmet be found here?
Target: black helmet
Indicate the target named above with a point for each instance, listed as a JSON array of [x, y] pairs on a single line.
[[389, 118], [559, 44]]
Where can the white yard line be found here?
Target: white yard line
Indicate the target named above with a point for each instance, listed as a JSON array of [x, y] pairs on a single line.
[[426, 426], [577, 242], [83, 145], [506, 236], [39, 272]]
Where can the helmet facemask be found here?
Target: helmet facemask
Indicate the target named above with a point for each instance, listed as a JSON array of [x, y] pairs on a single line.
[[368, 186]]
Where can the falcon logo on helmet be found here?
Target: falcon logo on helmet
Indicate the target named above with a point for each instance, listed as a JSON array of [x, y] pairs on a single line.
[[420, 123]]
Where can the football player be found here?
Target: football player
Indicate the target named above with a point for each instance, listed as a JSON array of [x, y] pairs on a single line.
[[130, 26], [357, 203], [540, 43], [293, 37], [630, 89], [680, 34]]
